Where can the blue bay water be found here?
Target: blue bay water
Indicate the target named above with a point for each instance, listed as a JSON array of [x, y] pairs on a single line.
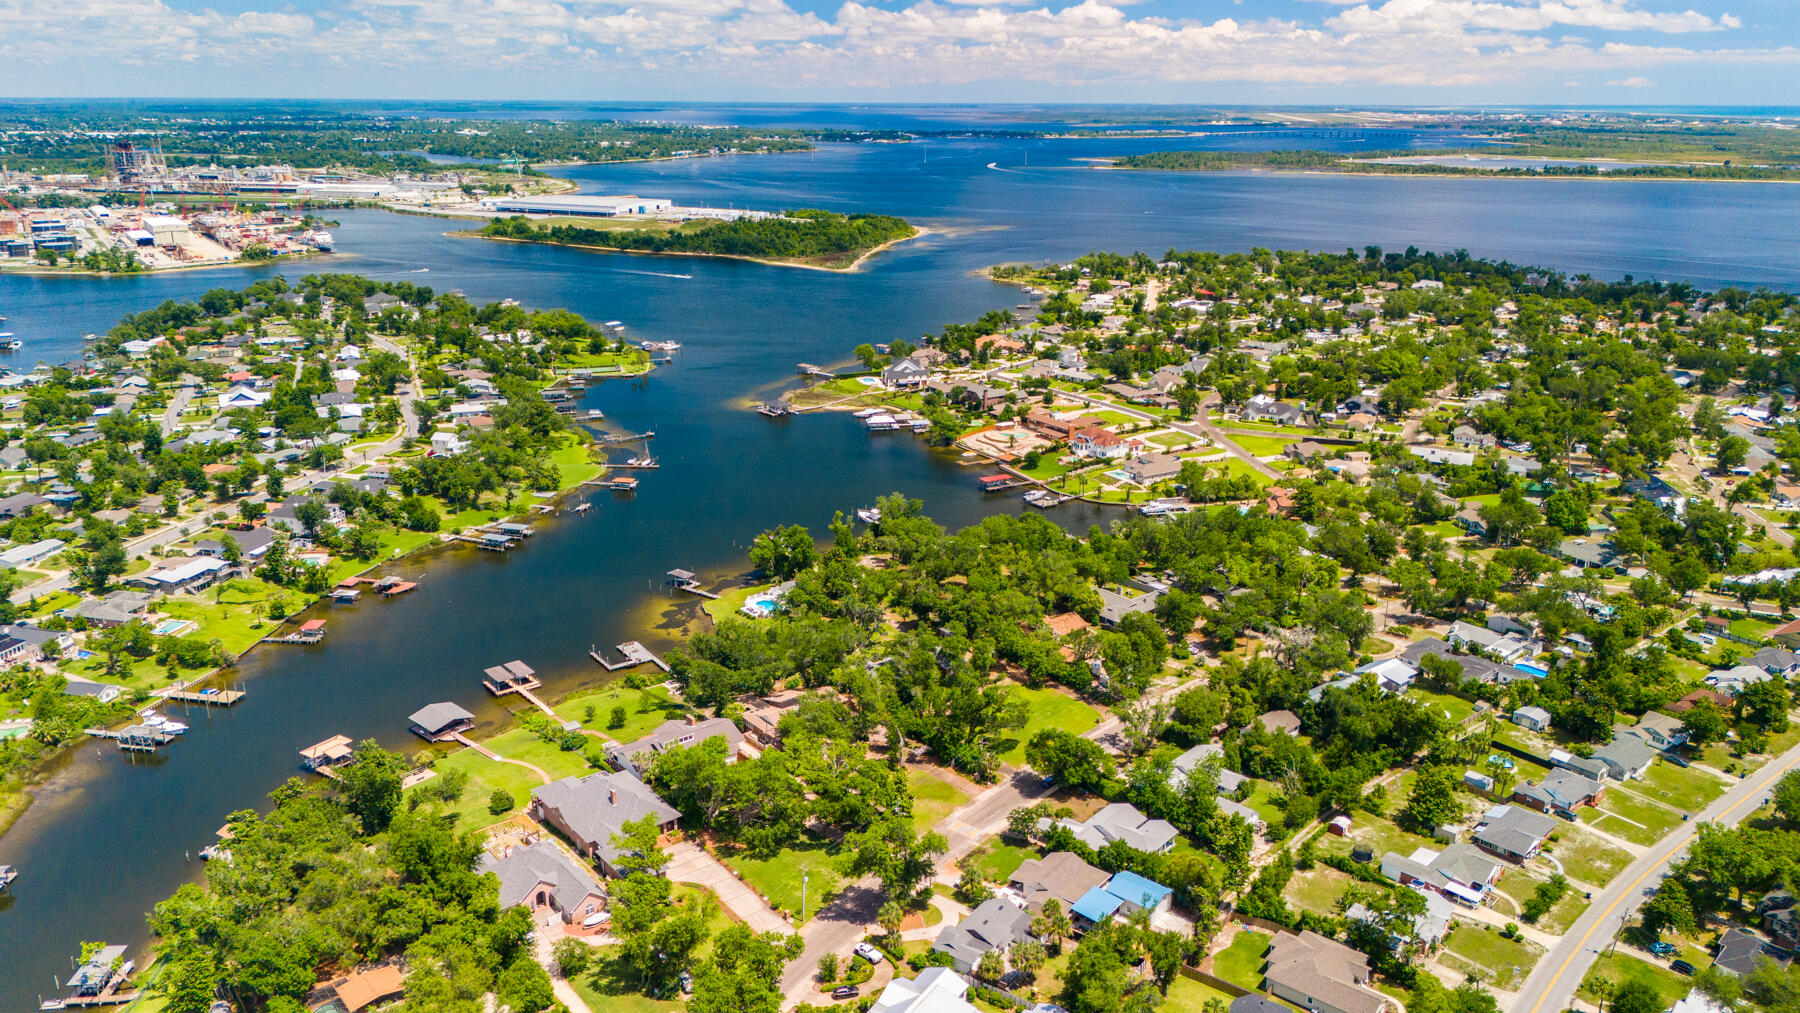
[[122, 831]]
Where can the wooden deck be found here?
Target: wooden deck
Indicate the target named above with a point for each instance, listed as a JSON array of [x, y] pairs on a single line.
[[635, 654], [222, 698]]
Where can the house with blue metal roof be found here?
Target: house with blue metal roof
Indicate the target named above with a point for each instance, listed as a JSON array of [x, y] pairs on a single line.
[[1126, 893]]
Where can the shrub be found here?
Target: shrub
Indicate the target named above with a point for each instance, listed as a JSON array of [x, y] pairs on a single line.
[[501, 801]]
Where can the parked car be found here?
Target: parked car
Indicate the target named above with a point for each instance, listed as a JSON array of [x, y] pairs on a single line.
[[687, 982], [1661, 948], [845, 992], [1676, 760], [1681, 967], [868, 953], [1568, 815]]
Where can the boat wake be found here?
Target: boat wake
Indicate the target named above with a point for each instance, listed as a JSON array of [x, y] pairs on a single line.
[[651, 274], [996, 167]]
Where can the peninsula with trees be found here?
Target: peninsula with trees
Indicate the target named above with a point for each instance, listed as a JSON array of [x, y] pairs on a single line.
[[797, 238]]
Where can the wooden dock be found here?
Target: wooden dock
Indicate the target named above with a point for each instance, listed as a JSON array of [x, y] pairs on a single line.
[[215, 698], [650, 463], [684, 580], [808, 369], [635, 654], [310, 632], [614, 438]]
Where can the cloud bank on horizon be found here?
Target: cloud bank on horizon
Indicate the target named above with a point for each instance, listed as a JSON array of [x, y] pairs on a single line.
[[967, 50]]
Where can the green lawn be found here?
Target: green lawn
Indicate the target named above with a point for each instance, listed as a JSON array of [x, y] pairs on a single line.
[[1262, 799], [1189, 996], [1238, 469], [1506, 961], [933, 799], [1049, 708], [1318, 889], [1001, 860], [1752, 629], [1456, 707], [1616, 967], [485, 775], [1679, 788], [1644, 822], [1241, 962], [523, 744], [1260, 446], [1519, 885], [1588, 858], [779, 880], [644, 710]]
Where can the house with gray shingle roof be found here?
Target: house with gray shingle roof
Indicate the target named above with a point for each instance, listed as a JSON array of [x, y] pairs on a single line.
[[540, 876], [590, 811]]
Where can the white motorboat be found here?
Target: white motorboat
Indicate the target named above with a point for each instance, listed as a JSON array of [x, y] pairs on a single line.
[[869, 515]]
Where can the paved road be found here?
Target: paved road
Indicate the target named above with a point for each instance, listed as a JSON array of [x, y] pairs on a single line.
[[1552, 984], [1203, 421], [851, 916]]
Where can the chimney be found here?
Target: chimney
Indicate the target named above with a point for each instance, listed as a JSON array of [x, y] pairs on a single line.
[[612, 796], [692, 720]]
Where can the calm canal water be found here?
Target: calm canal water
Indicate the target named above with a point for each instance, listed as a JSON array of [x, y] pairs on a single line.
[[118, 834]]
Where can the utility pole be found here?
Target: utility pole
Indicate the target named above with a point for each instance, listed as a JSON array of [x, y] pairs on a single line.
[[804, 876]]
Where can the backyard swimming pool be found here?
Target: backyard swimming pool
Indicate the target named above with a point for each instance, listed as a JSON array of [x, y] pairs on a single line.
[[1535, 671]]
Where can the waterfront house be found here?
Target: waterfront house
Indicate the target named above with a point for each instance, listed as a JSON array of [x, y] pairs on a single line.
[[35, 639], [362, 989], [995, 926], [116, 609], [181, 574], [904, 373], [1513, 832], [541, 877], [1061, 875], [590, 811], [1099, 444], [676, 732], [1150, 469], [253, 543], [440, 721], [1049, 424], [1320, 974]]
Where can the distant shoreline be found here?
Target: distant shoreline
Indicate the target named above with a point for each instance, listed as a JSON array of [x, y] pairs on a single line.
[[1450, 172]]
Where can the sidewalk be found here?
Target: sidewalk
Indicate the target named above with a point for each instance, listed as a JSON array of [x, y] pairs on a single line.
[[688, 863]]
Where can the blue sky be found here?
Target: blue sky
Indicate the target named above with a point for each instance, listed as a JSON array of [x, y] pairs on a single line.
[[1613, 52]]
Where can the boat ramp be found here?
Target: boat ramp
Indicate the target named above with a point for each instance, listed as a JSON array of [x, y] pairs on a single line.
[[635, 654]]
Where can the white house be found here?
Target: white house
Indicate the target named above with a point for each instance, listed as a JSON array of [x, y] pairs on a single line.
[[444, 444], [242, 397]]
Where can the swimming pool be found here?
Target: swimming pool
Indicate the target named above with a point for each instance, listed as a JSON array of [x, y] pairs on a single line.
[[1535, 671], [173, 627], [761, 606], [1120, 473]]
